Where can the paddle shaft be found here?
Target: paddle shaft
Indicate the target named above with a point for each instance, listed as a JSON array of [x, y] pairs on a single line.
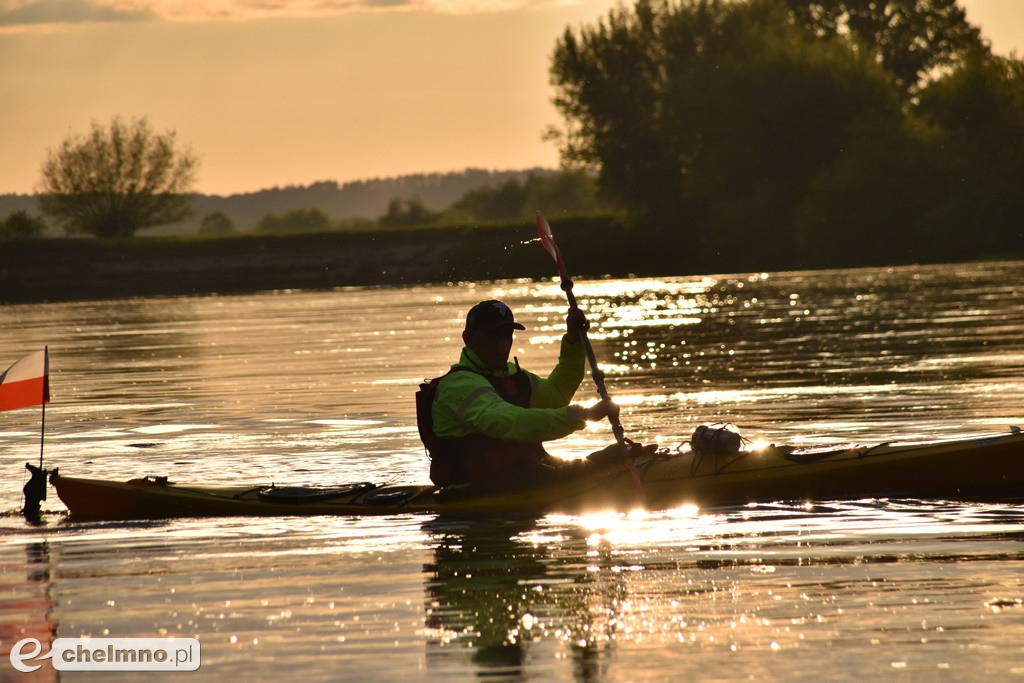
[[548, 242], [597, 373]]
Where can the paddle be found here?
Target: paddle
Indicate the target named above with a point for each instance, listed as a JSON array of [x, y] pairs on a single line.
[[547, 239]]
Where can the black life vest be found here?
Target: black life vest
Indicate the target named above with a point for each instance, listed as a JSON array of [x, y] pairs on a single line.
[[475, 457]]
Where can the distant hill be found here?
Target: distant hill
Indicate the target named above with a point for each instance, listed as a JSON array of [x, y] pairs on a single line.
[[357, 199]]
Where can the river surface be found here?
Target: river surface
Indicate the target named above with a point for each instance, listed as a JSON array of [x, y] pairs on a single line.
[[317, 387]]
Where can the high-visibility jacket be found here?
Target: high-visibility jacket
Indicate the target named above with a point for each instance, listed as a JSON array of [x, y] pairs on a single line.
[[485, 421]]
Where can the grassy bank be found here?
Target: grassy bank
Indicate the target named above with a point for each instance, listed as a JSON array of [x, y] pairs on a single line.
[[69, 269], [66, 269]]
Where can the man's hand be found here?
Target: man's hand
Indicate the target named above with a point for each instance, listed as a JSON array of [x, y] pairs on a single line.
[[575, 322], [600, 411]]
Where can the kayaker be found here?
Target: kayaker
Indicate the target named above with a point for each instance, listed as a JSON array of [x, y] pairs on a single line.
[[488, 418]]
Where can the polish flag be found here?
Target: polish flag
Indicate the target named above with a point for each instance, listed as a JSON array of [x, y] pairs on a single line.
[[27, 382]]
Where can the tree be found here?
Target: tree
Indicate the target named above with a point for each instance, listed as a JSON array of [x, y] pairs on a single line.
[[978, 113], [910, 38], [117, 179], [216, 223], [21, 224], [566, 191], [608, 80], [709, 119], [297, 220], [570, 191], [406, 213], [493, 203]]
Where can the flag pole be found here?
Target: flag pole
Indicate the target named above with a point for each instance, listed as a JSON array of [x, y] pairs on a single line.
[[42, 433], [45, 397]]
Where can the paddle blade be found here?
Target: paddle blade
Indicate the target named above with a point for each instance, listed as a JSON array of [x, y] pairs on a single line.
[[546, 238]]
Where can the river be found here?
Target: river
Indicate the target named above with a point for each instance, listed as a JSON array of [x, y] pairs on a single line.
[[317, 387]]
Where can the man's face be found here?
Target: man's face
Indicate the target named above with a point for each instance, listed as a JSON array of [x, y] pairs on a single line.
[[491, 346]]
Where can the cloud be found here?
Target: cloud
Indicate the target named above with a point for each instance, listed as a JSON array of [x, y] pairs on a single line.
[[36, 12], [387, 3], [249, 8], [480, 6]]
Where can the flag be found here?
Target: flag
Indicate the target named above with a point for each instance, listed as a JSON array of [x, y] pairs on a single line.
[[27, 382]]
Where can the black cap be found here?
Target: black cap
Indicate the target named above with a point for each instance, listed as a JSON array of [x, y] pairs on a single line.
[[488, 315]]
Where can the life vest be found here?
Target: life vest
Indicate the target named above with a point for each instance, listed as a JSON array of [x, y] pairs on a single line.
[[475, 457]]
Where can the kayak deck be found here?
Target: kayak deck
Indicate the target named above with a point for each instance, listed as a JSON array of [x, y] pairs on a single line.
[[979, 468]]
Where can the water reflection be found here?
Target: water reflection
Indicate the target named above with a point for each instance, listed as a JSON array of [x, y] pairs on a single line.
[[510, 603], [26, 610], [586, 598], [767, 590]]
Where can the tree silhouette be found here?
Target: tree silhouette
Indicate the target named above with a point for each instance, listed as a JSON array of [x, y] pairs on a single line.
[[216, 223], [296, 220], [117, 179], [21, 224], [685, 107], [910, 38]]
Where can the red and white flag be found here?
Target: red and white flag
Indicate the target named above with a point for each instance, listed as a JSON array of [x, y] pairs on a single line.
[[27, 382]]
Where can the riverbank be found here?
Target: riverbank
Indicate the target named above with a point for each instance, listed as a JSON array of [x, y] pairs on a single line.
[[65, 269], [70, 269]]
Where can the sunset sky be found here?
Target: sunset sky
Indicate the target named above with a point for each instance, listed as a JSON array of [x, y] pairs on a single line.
[[272, 92]]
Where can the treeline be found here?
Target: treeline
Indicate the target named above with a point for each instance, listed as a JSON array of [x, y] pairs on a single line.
[[564, 192], [329, 205], [571, 192], [352, 205], [774, 133], [555, 191]]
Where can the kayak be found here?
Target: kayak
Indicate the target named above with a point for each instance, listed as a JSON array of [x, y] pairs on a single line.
[[989, 468]]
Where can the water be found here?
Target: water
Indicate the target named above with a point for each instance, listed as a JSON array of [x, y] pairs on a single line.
[[316, 387]]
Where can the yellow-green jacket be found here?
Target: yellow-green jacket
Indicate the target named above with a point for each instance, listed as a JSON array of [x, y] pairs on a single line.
[[467, 403]]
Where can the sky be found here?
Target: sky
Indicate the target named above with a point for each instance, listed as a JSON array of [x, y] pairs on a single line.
[[274, 92]]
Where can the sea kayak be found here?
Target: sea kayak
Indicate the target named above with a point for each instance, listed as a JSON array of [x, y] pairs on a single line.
[[987, 468]]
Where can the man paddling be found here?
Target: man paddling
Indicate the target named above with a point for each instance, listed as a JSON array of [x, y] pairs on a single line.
[[486, 420]]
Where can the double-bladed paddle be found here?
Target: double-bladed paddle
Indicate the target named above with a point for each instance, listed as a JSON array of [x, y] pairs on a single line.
[[547, 239]]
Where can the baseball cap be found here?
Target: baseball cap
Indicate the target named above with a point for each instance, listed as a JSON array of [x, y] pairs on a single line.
[[490, 314]]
